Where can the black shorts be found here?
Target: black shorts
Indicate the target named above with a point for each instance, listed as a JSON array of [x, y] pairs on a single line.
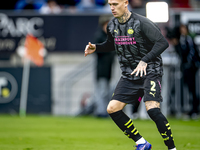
[[132, 91]]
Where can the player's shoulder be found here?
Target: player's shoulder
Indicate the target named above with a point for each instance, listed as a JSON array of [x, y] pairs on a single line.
[[141, 18], [144, 20]]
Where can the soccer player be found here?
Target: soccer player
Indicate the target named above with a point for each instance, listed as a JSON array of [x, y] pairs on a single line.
[[138, 43]]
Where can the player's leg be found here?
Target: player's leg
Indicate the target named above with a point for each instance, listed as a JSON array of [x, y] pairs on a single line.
[[153, 109], [126, 92], [114, 109], [126, 124], [152, 98]]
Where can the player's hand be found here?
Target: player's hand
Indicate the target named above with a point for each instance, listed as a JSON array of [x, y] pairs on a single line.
[[141, 68], [89, 49]]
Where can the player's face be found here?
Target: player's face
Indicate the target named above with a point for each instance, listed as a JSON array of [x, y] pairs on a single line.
[[118, 7]]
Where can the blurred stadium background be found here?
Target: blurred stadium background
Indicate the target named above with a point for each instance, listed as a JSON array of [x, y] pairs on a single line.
[[67, 79]]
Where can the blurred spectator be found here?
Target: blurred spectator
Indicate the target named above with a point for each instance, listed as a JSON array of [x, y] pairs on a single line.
[[29, 4], [69, 4], [86, 4], [136, 4], [51, 7], [195, 4], [106, 8], [180, 4], [190, 60], [97, 103], [101, 3], [103, 92]]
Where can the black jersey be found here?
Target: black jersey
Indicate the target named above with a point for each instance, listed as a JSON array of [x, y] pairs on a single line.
[[135, 40]]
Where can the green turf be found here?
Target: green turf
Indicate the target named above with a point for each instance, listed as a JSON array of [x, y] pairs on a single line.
[[87, 133]]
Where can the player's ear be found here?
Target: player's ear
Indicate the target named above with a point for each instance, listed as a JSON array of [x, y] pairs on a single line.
[[126, 3]]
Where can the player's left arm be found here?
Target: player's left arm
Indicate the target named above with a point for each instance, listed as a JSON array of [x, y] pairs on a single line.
[[152, 32]]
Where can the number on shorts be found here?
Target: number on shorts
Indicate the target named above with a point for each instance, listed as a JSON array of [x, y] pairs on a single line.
[[153, 86]]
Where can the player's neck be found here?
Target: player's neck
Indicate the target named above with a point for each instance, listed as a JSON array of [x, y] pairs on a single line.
[[124, 17]]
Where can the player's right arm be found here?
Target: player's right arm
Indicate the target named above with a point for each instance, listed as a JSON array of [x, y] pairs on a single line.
[[106, 46], [89, 49]]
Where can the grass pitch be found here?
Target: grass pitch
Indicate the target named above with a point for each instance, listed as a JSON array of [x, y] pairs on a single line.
[[88, 133]]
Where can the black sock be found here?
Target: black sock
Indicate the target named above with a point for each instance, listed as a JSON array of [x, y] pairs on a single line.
[[163, 126], [125, 124]]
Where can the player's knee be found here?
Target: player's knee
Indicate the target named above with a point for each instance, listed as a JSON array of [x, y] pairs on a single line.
[[152, 104], [110, 109], [115, 106]]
